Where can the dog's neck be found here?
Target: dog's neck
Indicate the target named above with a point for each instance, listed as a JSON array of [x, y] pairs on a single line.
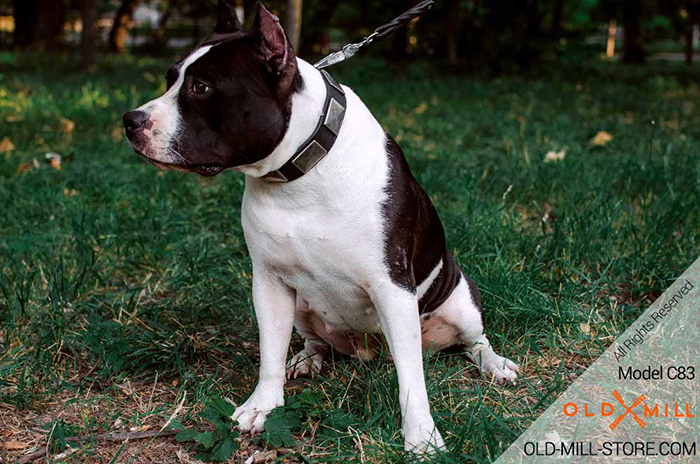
[[307, 106]]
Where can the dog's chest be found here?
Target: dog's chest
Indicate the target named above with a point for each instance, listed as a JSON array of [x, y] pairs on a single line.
[[327, 247]]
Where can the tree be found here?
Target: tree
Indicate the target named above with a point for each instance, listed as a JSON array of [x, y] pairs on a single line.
[[87, 36], [293, 23], [120, 28], [159, 39], [557, 19], [24, 12], [633, 45], [317, 19], [51, 17], [452, 30], [38, 23]]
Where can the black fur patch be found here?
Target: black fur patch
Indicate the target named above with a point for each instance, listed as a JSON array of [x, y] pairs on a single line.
[[414, 237], [244, 116]]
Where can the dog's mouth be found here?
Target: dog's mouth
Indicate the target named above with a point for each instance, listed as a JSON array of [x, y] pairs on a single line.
[[203, 169], [208, 169]]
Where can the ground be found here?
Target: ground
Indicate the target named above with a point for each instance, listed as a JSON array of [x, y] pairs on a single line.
[[570, 197]]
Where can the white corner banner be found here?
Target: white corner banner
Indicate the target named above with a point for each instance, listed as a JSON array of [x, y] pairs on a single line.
[[638, 402]]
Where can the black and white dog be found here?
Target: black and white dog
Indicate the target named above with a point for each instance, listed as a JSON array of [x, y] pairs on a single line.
[[344, 242]]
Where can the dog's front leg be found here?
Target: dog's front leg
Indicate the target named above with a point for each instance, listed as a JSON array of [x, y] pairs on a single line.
[[398, 313], [274, 304]]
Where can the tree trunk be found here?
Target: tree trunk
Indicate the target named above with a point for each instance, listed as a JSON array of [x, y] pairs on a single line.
[[452, 31], [633, 44], [399, 44], [316, 36], [25, 15], [293, 23], [87, 36], [689, 45], [557, 18], [120, 28], [51, 17], [159, 39], [612, 32]]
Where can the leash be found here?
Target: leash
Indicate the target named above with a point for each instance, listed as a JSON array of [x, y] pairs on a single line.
[[349, 50]]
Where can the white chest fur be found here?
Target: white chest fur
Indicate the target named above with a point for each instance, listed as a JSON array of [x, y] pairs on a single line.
[[323, 234]]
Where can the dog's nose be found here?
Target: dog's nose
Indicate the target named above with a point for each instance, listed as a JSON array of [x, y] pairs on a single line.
[[134, 121]]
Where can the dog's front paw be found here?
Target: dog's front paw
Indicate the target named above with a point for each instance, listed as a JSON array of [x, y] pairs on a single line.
[[423, 439], [304, 364], [502, 369], [251, 415]]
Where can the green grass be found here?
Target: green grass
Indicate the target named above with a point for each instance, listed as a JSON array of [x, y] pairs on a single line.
[[112, 271]]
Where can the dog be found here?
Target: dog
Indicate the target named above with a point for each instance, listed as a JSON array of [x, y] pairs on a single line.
[[344, 242]]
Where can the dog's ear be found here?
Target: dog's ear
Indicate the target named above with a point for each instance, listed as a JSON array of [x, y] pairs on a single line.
[[272, 43], [227, 21]]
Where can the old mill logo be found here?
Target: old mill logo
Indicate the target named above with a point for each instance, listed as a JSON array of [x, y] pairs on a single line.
[[608, 409]]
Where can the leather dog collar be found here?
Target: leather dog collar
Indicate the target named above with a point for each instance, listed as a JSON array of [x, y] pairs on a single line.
[[321, 141]]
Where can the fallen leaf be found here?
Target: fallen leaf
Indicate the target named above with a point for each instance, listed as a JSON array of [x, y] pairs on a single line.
[[54, 160], [260, 457], [688, 106], [24, 167], [602, 138], [585, 328], [547, 211], [6, 145], [67, 125], [420, 109], [15, 445], [673, 124], [553, 156], [117, 133]]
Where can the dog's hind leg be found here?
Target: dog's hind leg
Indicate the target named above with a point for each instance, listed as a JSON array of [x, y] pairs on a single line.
[[462, 313], [308, 362]]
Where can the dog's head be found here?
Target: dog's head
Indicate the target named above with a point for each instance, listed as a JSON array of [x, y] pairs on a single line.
[[228, 101]]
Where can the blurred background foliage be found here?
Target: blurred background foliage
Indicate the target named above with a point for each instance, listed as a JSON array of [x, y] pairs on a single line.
[[497, 36]]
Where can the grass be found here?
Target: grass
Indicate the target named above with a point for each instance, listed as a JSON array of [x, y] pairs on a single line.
[[125, 291]]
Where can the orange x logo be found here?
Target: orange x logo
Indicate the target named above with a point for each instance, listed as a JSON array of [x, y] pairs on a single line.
[[628, 410]]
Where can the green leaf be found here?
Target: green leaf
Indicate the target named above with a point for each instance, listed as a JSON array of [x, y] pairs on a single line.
[[206, 439], [308, 402], [225, 448], [336, 424], [222, 407], [279, 426], [186, 435], [214, 417]]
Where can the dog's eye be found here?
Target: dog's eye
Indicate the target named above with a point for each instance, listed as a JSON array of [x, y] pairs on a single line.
[[199, 87]]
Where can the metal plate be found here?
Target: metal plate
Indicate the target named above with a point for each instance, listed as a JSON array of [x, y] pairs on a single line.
[[308, 158], [333, 82], [334, 116], [275, 176]]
